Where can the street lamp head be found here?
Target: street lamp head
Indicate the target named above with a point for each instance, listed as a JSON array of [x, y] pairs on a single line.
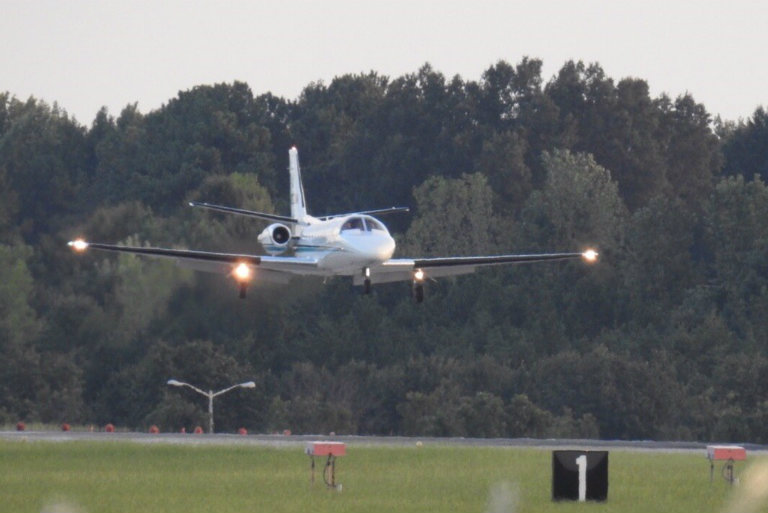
[[210, 395]]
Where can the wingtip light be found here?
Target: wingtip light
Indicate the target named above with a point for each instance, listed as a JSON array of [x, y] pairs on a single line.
[[78, 245], [590, 255]]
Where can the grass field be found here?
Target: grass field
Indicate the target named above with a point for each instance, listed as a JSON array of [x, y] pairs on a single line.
[[80, 477]]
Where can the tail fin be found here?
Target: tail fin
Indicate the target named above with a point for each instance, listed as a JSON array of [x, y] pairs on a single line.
[[298, 204]]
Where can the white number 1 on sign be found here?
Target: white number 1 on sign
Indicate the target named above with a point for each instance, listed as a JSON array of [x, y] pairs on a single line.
[[581, 461]]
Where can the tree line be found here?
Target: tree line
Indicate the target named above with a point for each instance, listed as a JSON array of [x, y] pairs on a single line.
[[666, 338]]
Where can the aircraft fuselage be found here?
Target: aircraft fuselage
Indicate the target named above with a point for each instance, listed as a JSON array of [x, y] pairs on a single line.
[[345, 245]]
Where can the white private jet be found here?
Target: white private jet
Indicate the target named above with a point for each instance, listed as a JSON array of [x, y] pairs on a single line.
[[356, 245]]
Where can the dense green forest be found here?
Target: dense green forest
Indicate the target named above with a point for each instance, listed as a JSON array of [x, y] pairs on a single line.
[[666, 338]]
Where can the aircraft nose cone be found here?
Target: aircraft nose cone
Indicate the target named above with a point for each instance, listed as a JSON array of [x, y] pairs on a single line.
[[387, 249]]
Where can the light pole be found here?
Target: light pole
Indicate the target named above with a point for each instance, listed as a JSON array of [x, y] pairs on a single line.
[[210, 395]]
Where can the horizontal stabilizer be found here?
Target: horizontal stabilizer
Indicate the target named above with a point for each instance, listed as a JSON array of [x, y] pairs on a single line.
[[243, 212], [377, 212]]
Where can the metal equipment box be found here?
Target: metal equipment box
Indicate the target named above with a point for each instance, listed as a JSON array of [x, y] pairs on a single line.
[[326, 448], [726, 452]]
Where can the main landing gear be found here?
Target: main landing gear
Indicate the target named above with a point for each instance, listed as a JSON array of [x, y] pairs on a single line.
[[418, 285], [417, 289], [418, 292]]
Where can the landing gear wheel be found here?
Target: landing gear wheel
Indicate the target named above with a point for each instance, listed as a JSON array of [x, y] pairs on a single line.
[[367, 286]]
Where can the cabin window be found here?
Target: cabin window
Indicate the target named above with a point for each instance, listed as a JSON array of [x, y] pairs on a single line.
[[355, 223]]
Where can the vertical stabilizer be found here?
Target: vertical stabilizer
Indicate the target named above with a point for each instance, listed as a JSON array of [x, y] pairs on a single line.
[[298, 205]]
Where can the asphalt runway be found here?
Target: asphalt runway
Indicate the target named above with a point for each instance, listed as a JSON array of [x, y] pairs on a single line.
[[289, 441]]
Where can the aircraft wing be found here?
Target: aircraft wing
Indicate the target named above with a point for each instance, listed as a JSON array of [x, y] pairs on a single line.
[[279, 269], [269, 268], [402, 269]]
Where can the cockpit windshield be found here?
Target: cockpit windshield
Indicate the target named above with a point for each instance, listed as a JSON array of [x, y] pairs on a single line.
[[362, 224], [373, 224], [353, 223]]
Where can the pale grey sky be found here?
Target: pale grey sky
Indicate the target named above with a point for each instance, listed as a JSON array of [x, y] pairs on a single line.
[[89, 54]]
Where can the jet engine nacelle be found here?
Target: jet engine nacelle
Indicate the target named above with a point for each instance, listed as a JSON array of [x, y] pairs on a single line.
[[275, 238]]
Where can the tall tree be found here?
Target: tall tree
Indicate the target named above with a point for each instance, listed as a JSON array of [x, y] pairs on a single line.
[[455, 217], [578, 206], [43, 155], [745, 147], [502, 161], [738, 238], [18, 320], [692, 150]]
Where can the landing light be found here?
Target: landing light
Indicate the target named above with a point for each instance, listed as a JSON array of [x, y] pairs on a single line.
[[242, 272], [418, 275], [78, 245], [590, 255]]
